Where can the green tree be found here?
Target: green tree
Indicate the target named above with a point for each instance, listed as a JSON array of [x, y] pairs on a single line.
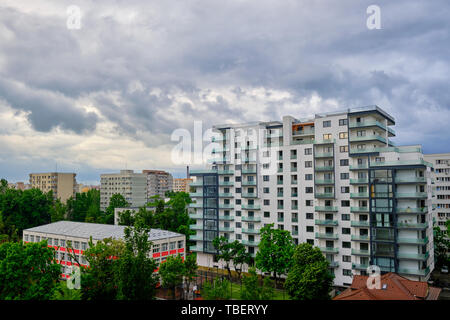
[[28, 271], [218, 290], [275, 251], [240, 256], [126, 218], [116, 201], [309, 277], [135, 276], [251, 289], [190, 270], [98, 280], [441, 247], [85, 207], [172, 272], [225, 252], [61, 292], [58, 211]]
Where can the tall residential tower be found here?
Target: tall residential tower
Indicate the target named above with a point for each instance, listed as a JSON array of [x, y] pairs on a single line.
[[336, 181]]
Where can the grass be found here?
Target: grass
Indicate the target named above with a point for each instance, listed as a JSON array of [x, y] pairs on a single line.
[[236, 293]]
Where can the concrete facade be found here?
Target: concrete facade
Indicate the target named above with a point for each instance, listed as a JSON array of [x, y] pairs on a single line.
[[63, 185]]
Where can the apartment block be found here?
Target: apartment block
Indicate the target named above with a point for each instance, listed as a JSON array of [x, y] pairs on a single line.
[[63, 185], [336, 180], [60, 234], [132, 186], [181, 185], [158, 182], [441, 187]]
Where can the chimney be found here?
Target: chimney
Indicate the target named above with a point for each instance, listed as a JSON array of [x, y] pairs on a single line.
[[187, 172]]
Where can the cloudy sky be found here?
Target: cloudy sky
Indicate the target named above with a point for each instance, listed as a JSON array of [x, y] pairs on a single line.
[[110, 94]]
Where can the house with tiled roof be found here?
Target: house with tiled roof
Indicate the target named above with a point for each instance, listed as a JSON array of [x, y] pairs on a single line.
[[392, 287]]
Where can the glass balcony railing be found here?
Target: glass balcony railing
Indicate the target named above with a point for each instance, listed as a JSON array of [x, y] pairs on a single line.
[[326, 222], [359, 181], [411, 195], [226, 206], [359, 195], [359, 167], [326, 208], [417, 272], [411, 180], [304, 141], [325, 195], [226, 183], [323, 155], [251, 231], [412, 210], [413, 256], [196, 248], [251, 219], [360, 252], [324, 168], [412, 225], [196, 227], [196, 194], [331, 236], [196, 238], [325, 181], [358, 266], [248, 195], [359, 238], [249, 183], [226, 229], [359, 223], [329, 249], [225, 195], [248, 171], [368, 138], [225, 172], [359, 209], [250, 206], [412, 241], [195, 205], [250, 243], [302, 132], [226, 218]]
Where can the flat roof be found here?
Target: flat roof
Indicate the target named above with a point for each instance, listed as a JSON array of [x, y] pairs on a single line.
[[96, 230]]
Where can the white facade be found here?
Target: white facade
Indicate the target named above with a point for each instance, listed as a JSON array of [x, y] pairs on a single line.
[[132, 186], [441, 187], [312, 177]]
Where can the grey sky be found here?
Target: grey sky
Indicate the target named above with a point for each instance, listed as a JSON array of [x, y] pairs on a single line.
[[110, 94]]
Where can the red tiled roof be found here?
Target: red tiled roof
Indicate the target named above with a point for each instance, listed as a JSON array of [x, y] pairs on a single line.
[[396, 288]]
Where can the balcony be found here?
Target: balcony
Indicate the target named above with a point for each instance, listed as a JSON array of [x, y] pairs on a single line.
[[323, 155], [196, 216], [326, 222], [415, 272], [225, 195], [301, 142], [325, 209], [248, 183], [226, 183], [248, 171], [359, 209], [298, 133], [226, 206], [329, 250], [325, 141], [325, 195], [330, 236], [250, 231], [359, 167], [196, 248], [360, 195], [251, 219], [196, 194], [199, 172], [226, 229], [226, 218], [411, 225], [368, 138], [412, 241], [324, 168], [251, 207], [358, 266], [359, 181], [360, 252], [195, 205], [225, 172], [360, 224], [412, 210], [411, 195], [333, 264], [359, 238], [324, 182], [250, 243], [248, 195], [418, 162], [413, 256], [371, 123], [407, 180], [196, 238], [195, 227], [196, 184]]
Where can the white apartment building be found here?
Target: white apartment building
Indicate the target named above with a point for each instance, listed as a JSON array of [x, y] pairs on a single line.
[[59, 234], [132, 186], [441, 187], [336, 181]]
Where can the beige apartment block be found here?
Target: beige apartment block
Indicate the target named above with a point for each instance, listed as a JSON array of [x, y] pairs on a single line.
[[181, 185], [63, 185], [158, 182]]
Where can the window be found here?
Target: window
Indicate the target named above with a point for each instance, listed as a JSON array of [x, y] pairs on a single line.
[[83, 246], [343, 149], [345, 230], [180, 244], [345, 217], [238, 213], [345, 176], [343, 122], [238, 225], [343, 162], [266, 214], [308, 203], [265, 178], [172, 245], [345, 189], [308, 176], [266, 190], [309, 229], [327, 136], [309, 215], [347, 258], [266, 202], [76, 245], [309, 190], [345, 203], [346, 244], [308, 151], [343, 135], [327, 124], [155, 248], [308, 164], [164, 247]]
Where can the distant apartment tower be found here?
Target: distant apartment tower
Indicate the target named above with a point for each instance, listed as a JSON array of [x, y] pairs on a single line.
[[132, 186], [158, 182], [335, 180], [63, 185], [441, 186], [181, 185]]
